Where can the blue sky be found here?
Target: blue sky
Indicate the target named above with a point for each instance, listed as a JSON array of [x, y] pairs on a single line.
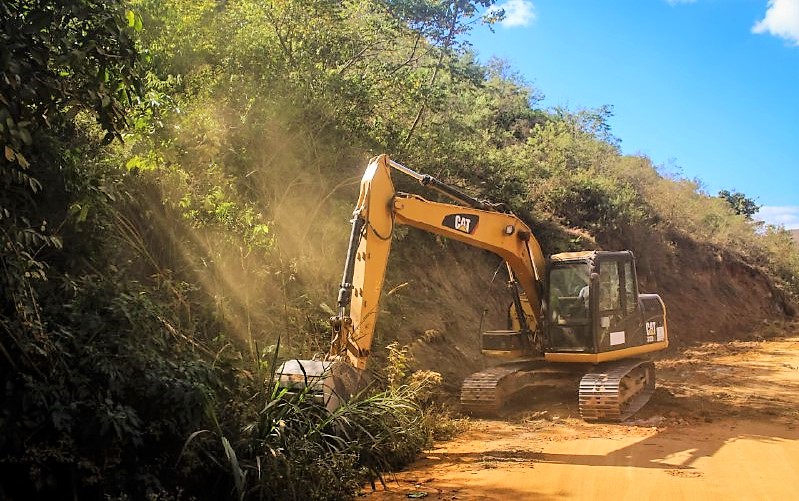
[[708, 88]]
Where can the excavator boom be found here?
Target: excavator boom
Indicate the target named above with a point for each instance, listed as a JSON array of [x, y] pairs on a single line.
[[380, 209]]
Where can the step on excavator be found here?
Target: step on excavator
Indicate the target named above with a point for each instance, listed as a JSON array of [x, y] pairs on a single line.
[[576, 312]]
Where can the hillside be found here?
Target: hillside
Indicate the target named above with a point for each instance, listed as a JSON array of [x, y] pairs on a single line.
[[178, 182], [795, 235], [709, 295]]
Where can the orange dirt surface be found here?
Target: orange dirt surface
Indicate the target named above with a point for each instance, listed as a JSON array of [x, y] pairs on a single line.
[[723, 424]]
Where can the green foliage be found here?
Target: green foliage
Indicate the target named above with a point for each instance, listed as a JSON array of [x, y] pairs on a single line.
[[396, 365], [59, 59], [140, 282], [85, 396], [288, 446], [739, 202], [779, 248]]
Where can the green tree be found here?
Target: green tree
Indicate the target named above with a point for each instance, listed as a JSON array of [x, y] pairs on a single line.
[[61, 58], [86, 359], [59, 62], [740, 203]]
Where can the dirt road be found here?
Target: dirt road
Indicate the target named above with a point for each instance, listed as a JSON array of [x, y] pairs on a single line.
[[723, 424]]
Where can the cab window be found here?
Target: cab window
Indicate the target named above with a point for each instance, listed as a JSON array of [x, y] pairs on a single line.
[[629, 288], [609, 287], [568, 293]]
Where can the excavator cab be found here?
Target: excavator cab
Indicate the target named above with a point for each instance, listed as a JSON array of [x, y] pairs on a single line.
[[594, 312], [569, 312]]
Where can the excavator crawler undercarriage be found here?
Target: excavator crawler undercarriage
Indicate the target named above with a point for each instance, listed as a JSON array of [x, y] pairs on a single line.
[[612, 391], [616, 390]]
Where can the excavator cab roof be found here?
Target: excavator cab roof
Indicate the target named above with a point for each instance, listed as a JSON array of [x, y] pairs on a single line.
[[572, 256], [589, 255]]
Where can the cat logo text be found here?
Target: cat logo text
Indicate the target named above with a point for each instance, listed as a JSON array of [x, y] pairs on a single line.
[[465, 223]]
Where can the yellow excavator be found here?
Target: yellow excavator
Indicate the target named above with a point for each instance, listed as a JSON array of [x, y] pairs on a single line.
[[576, 311]]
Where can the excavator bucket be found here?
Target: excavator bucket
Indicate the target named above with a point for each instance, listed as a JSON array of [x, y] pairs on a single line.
[[330, 383]]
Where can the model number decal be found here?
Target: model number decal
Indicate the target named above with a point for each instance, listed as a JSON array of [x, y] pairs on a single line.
[[465, 223]]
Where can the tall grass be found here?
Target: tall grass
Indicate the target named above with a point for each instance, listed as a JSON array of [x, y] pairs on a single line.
[[291, 447]]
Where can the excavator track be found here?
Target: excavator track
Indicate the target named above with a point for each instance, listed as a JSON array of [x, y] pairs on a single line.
[[617, 390], [485, 393], [613, 391]]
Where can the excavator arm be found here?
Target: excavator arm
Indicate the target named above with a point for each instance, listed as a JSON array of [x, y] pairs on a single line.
[[380, 209]]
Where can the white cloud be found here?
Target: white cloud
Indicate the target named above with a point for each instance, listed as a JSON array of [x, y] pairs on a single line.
[[517, 13], [787, 216], [782, 20]]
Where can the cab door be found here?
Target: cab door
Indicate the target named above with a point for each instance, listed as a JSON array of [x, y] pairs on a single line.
[[619, 315]]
